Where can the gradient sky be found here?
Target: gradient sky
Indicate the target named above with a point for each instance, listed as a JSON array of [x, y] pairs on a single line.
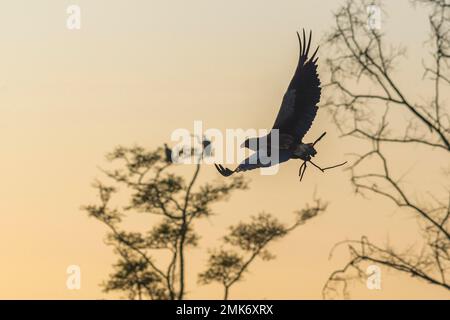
[[136, 71]]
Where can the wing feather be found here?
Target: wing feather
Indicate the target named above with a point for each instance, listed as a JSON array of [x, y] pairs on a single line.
[[299, 106]]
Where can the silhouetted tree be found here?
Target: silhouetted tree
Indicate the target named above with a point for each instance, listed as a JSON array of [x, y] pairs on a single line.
[[155, 189], [247, 241], [361, 60]]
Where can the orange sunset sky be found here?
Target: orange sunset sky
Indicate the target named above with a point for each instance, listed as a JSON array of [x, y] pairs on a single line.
[[136, 71]]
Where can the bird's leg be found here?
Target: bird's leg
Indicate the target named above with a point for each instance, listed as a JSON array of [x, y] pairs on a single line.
[[302, 170]]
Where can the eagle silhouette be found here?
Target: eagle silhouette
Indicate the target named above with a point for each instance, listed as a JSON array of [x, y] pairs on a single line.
[[295, 117]]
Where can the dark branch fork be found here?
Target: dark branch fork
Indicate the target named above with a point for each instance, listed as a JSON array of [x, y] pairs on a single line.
[[227, 172], [301, 171]]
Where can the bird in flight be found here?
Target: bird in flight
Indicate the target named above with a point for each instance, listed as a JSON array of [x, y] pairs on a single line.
[[295, 117]]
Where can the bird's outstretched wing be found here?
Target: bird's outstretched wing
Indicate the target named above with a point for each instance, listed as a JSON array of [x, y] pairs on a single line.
[[299, 106]]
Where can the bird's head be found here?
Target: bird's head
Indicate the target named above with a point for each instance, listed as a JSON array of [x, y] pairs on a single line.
[[306, 151], [311, 151]]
